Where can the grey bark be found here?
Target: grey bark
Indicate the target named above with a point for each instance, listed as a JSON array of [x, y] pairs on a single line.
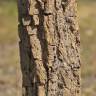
[[49, 47]]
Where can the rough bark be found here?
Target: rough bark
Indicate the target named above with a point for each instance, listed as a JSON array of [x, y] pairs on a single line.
[[49, 47]]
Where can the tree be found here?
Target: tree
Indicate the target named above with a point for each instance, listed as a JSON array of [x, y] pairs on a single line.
[[49, 47]]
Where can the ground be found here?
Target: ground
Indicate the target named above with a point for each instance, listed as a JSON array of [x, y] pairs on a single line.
[[10, 75]]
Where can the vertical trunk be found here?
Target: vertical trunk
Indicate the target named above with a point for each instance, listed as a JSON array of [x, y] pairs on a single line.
[[49, 47]]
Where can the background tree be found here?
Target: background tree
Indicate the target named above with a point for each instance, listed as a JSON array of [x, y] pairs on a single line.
[[49, 47]]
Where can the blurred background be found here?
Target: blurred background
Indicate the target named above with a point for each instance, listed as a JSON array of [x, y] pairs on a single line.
[[10, 75]]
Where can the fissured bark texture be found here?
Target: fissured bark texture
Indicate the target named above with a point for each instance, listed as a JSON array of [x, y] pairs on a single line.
[[49, 47]]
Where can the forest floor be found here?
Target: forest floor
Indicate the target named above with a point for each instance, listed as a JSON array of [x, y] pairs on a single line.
[[10, 75]]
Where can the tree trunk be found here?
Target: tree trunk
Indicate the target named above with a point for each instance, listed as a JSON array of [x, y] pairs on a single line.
[[49, 47]]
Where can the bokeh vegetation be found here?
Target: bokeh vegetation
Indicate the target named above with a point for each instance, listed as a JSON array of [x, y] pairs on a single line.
[[9, 51], [87, 23]]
